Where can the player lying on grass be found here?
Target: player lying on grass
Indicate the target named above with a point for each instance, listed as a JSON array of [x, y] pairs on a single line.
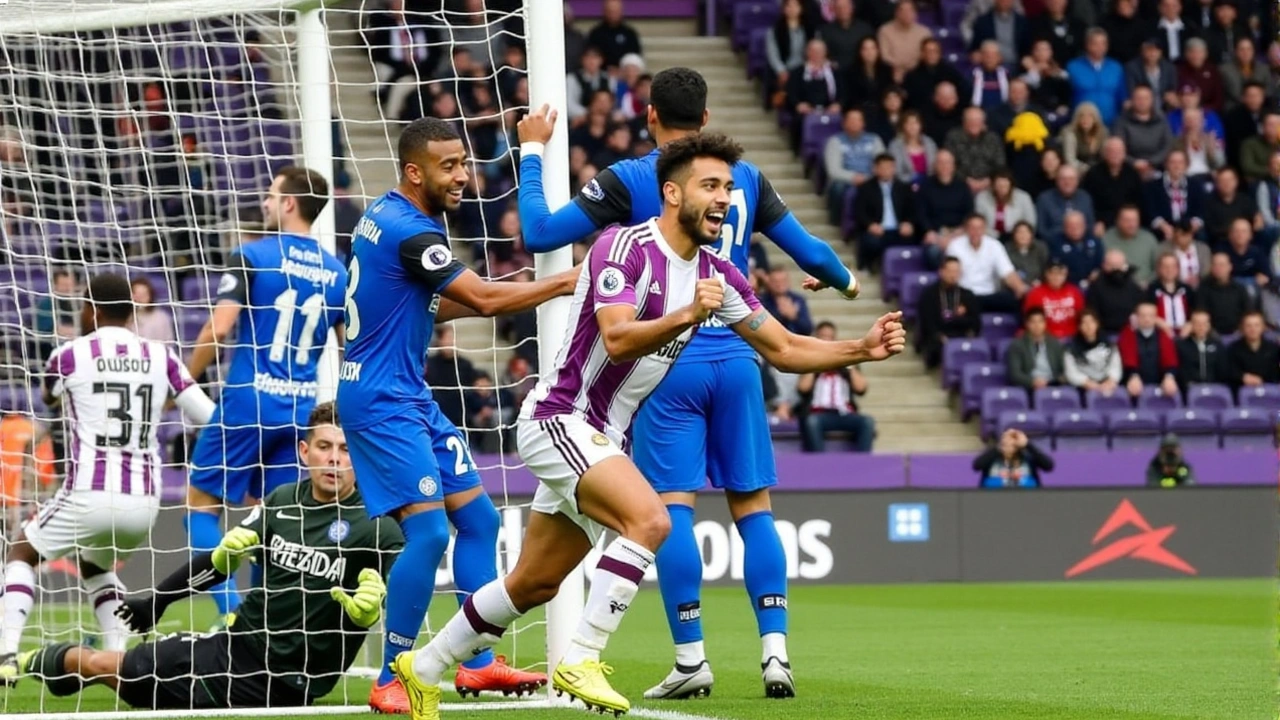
[[112, 385], [646, 290], [707, 420], [292, 639]]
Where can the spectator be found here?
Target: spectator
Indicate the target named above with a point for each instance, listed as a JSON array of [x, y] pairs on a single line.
[[478, 33], [985, 268], [1151, 69], [1038, 181], [634, 105], [812, 89], [614, 37], [1007, 27], [1029, 255], [848, 158], [592, 135], [1091, 361], [784, 46], [1050, 87], [491, 414], [1060, 300], [885, 212], [1222, 297], [1139, 246], [1015, 462], [976, 9], [867, 78], [1203, 150], [1267, 196], [1114, 294], [582, 85], [944, 114], [1077, 249], [1053, 204], [1083, 137], [1227, 205], [1168, 469], [1062, 31], [151, 322], [574, 42], [844, 34], [448, 373], [1171, 32], [1189, 99], [1004, 206], [505, 248], [1002, 117], [1148, 355], [56, 314], [1171, 199], [885, 119], [900, 39], [1173, 299], [1244, 121], [401, 45], [913, 152], [1112, 183], [785, 304], [1145, 132], [1193, 256], [519, 377], [1249, 264], [1256, 151], [990, 78], [946, 311], [1125, 30], [1254, 359], [932, 71], [1245, 67], [1195, 69], [943, 203], [830, 404], [1202, 358], [1097, 78], [1221, 35], [979, 152]]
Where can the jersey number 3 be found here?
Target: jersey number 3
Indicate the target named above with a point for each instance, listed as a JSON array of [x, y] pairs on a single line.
[[734, 230], [123, 414]]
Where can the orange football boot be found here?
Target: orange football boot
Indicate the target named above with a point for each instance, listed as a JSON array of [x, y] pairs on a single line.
[[389, 699], [498, 676]]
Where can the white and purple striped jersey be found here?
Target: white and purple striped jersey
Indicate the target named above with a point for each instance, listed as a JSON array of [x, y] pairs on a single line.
[[113, 386], [628, 266]]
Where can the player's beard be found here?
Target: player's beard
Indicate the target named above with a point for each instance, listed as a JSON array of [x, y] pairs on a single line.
[[438, 198], [691, 221]]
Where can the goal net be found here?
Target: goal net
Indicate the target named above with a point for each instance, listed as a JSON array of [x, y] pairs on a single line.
[[139, 137]]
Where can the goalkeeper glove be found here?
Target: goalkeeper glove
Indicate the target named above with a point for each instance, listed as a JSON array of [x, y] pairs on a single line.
[[138, 614], [226, 557], [364, 607]]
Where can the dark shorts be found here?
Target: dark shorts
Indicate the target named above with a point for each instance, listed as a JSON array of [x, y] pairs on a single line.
[[201, 671]]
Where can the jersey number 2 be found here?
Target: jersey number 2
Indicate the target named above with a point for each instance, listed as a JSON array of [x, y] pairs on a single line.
[[123, 414], [734, 230], [286, 307], [462, 462]]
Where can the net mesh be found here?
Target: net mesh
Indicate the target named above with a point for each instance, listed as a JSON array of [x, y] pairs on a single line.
[[139, 137]]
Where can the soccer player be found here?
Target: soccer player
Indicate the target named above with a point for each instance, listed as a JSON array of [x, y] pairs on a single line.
[[112, 385], [412, 463], [284, 292], [708, 419], [294, 636], [646, 290]]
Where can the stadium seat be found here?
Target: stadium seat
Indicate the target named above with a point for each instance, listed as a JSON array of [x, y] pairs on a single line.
[[1196, 429], [1248, 429], [996, 400], [757, 61], [190, 322], [15, 398], [846, 213], [1118, 400], [1153, 398], [913, 286], [749, 17], [1262, 397], [897, 262], [1134, 429], [818, 128], [1000, 349], [974, 379], [1049, 400], [199, 288], [958, 353], [1078, 430], [1229, 338], [1033, 423], [996, 326], [1209, 396]]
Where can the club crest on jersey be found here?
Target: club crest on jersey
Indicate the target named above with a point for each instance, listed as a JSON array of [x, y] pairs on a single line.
[[592, 191], [427, 486], [610, 282], [436, 257], [600, 439], [339, 530], [227, 283]]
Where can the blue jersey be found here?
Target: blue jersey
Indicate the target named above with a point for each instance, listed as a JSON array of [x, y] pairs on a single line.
[[291, 293], [400, 263]]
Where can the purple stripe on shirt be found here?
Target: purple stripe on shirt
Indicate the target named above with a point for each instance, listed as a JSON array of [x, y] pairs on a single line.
[[99, 470], [148, 484], [95, 348], [177, 382], [126, 472]]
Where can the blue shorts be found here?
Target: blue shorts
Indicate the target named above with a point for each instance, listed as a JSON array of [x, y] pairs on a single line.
[[233, 458], [415, 457], [706, 419]]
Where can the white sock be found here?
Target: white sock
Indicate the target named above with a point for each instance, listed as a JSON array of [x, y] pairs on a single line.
[[19, 596], [775, 645], [107, 594], [691, 654], [614, 584], [478, 625]]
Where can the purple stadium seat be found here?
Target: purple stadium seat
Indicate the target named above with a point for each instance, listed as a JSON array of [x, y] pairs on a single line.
[[1262, 397], [751, 16], [1134, 429], [958, 353], [818, 128], [1153, 398], [1049, 400], [974, 379], [847, 226], [756, 60], [197, 289], [1095, 400], [996, 326], [913, 286], [1209, 396], [897, 262], [15, 398], [1078, 430], [1247, 429], [1000, 348], [1197, 429], [1230, 338], [190, 322], [1032, 422], [996, 400]]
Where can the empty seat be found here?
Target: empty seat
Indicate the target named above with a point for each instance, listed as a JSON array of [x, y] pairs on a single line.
[[1196, 428], [1261, 397], [996, 400], [1153, 398], [999, 325], [898, 261], [1134, 429], [1079, 430], [1118, 400], [817, 130], [1209, 396], [1051, 399], [974, 379], [958, 353], [751, 16], [1001, 348], [1033, 423], [1248, 429]]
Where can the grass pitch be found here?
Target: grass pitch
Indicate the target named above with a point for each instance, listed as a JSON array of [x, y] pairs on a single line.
[[1158, 650]]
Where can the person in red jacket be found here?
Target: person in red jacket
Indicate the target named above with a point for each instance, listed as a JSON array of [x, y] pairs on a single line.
[[1147, 354], [1062, 301]]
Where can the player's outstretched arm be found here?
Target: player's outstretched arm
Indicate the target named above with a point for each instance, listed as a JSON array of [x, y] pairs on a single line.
[[626, 338], [140, 614], [814, 255], [473, 295], [802, 354]]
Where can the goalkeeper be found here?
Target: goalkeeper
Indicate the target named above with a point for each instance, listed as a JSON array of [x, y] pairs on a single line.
[[292, 638]]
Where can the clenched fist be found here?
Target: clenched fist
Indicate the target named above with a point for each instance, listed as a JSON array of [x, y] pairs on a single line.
[[537, 125], [708, 296], [887, 337]]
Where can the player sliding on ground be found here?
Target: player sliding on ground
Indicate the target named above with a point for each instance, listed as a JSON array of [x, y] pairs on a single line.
[[708, 418], [413, 464], [293, 638], [646, 290], [113, 385]]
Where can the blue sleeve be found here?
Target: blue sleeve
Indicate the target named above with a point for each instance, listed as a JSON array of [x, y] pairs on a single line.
[[812, 254], [543, 230]]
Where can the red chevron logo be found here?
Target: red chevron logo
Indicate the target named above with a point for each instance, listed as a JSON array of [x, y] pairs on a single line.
[[1147, 545]]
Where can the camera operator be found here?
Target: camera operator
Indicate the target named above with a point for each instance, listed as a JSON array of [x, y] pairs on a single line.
[[1168, 469]]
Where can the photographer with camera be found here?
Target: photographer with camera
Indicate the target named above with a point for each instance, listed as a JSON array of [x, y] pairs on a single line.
[[1168, 469], [1014, 461]]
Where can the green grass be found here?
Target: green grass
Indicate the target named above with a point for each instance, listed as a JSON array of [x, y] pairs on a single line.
[[1062, 651]]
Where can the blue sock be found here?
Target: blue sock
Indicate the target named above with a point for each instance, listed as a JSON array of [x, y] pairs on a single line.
[[204, 532], [475, 554], [764, 565], [411, 583], [680, 577]]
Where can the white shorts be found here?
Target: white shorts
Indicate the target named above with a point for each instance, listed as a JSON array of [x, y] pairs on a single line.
[[558, 452], [103, 527]]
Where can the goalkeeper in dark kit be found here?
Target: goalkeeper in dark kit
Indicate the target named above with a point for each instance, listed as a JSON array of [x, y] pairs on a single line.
[[324, 561]]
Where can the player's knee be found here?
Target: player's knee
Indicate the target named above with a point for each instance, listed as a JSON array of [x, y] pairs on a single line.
[[478, 518], [200, 501], [532, 589], [650, 529]]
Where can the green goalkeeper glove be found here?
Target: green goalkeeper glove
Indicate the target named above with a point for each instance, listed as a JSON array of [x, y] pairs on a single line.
[[364, 607], [226, 557]]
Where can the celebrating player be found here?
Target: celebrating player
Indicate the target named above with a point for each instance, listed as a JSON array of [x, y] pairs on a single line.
[[293, 637], [284, 292], [113, 385], [708, 418], [646, 290], [413, 464]]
